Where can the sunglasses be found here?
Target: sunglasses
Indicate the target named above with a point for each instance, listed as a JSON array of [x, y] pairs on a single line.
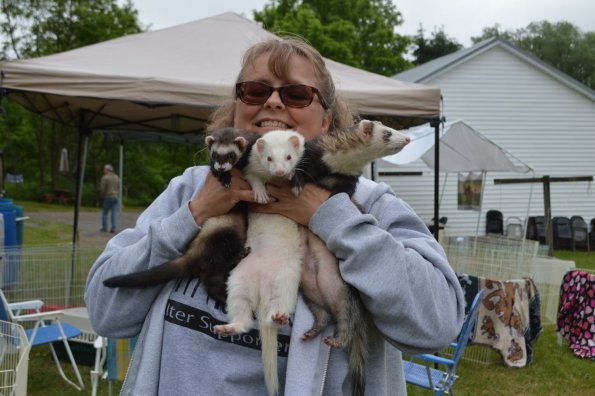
[[292, 95]]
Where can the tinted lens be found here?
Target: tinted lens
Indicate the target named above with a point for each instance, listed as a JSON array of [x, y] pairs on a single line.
[[292, 95], [254, 92], [296, 95]]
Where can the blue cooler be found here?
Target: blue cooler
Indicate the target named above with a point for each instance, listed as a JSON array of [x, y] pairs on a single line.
[[13, 240]]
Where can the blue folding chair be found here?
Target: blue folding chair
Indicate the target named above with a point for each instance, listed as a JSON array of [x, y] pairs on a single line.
[[438, 372], [46, 329]]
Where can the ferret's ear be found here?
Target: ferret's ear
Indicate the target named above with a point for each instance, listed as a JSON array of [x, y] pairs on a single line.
[[367, 128], [209, 140], [295, 142], [241, 142], [260, 143]]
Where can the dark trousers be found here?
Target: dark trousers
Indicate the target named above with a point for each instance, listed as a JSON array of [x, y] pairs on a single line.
[[109, 204]]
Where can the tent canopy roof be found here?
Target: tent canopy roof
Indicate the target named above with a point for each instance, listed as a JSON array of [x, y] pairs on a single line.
[[462, 149], [171, 80]]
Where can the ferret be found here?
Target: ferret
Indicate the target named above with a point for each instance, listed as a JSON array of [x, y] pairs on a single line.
[[219, 246], [335, 161], [266, 281]]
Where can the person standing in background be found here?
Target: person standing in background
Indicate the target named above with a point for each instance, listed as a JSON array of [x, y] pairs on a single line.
[[110, 187]]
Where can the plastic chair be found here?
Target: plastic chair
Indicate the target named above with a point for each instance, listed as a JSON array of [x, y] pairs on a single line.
[[14, 359], [494, 222], [562, 233], [580, 233], [438, 372], [41, 332], [514, 227]]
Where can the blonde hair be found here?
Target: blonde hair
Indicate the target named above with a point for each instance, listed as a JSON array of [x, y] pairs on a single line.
[[281, 51]]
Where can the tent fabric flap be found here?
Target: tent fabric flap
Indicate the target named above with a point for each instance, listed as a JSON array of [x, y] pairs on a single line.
[[143, 81]]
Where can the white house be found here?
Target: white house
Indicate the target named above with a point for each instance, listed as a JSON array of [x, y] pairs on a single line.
[[532, 110]]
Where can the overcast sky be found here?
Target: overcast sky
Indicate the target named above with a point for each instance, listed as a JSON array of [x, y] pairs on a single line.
[[461, 19]]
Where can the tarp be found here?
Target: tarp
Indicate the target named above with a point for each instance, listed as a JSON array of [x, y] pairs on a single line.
[[170, 80], [462, 149]]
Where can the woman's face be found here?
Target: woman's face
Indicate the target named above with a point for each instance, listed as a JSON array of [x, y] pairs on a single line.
[[310, 121]]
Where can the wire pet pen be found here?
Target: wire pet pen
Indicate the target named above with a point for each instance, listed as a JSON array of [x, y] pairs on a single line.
[[503, 258], [14, 359]]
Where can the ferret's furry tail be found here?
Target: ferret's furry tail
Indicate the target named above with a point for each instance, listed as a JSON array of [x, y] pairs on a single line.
[[268, 337], [154, 276], [358, 346]]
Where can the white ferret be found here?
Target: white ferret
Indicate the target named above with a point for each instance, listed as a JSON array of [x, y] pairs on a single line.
[[267, 280]]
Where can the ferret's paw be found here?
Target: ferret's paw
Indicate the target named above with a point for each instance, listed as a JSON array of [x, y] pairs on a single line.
[[335, 343], [280, 318], [313, 332], [228, 329], [296, 190], [261, 197]]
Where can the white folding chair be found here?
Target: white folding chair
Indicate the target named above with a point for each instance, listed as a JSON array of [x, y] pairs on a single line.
[[46, 328]]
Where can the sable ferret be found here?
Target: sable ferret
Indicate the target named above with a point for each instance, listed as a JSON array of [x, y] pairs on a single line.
[[335, 161], [266, 281], [219, 246]]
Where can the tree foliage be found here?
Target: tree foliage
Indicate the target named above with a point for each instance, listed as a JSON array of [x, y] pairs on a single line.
[[32, 144], [435, 47], [359, 33], [562, 45]]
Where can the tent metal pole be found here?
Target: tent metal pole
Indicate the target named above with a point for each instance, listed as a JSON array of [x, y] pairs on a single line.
[[436, 124], [80, 174], [121, 174], [81, 158]]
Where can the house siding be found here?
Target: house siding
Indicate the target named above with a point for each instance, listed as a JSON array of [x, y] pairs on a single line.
[[538, 118]]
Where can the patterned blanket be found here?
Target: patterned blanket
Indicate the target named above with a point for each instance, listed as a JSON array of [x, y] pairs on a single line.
[[509, 317], [576, 312]]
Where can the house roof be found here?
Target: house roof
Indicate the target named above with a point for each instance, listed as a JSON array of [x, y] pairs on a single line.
[[429, 70]]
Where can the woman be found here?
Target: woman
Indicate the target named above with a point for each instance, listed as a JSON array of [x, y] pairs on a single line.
[[387, 253]]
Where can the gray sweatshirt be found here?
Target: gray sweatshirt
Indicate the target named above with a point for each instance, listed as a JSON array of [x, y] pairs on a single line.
[[387, 253]]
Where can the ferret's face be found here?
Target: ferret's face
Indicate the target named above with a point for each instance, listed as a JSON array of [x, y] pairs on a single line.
[[387, 139], [224, 158], [309, 121]]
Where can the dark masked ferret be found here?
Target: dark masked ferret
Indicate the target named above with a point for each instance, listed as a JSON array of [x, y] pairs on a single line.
[[334, 161], [219, 246]]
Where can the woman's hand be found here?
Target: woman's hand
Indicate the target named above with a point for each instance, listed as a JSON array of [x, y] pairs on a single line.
[[299, 209], [214, 199]]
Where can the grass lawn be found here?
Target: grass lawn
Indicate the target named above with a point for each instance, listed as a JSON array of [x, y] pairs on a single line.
[[554, 371]]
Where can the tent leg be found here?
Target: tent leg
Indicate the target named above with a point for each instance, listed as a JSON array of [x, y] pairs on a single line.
[[436, 124], [80, 174], [121, 170]]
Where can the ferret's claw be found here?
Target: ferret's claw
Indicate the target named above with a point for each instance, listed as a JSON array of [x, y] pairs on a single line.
[[227, 329], [313, 332], [335, 343], [280, 318]]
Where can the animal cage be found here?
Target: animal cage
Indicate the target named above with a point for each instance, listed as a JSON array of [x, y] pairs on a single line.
[[503, 258], [55, 274], [14, 359]]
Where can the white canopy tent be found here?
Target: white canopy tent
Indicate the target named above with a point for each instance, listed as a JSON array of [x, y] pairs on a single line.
[[462, 149], [169, 81]]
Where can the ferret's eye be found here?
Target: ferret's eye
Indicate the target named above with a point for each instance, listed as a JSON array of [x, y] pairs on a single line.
[[269, 159], [288, 157]]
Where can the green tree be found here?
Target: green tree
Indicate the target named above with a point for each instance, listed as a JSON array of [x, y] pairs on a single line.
[[360, 33], [562, 45], [435, 47], [33, 28]]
